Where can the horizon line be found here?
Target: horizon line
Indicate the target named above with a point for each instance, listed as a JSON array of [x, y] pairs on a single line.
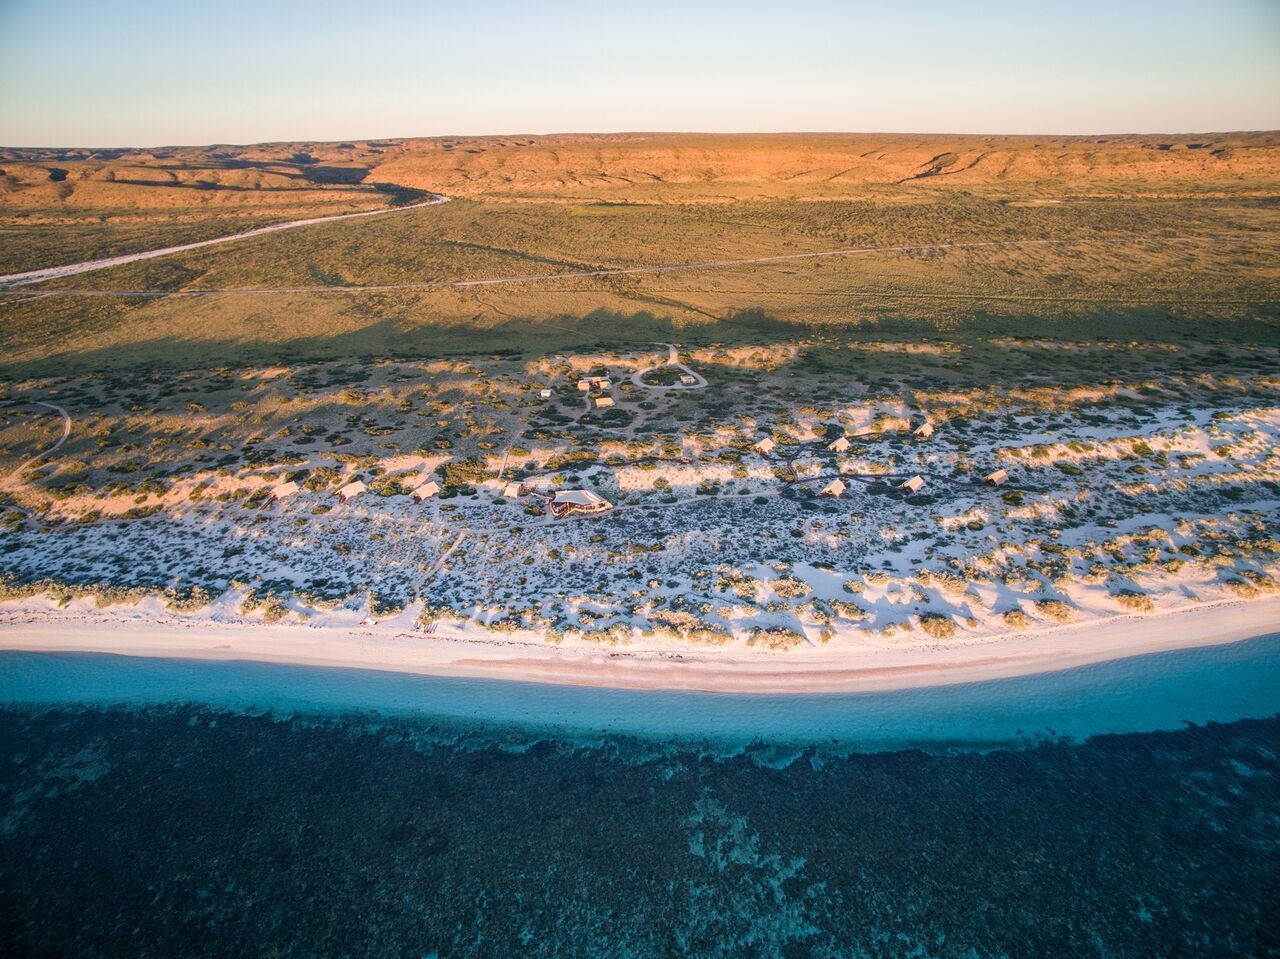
[[653, 133]]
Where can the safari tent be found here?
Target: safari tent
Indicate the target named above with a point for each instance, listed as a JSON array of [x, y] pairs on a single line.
[[283, 490], [428, 489], [570, 501], [352, 490]]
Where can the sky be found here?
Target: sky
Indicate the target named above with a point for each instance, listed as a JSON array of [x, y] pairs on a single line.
[[166, 72]]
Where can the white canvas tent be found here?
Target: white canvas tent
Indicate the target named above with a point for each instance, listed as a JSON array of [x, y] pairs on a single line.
[[426, 490], [352, 490], [578, 501], [283, 490]]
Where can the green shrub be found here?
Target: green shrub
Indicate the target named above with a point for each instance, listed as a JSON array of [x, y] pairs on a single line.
[[937, 626]]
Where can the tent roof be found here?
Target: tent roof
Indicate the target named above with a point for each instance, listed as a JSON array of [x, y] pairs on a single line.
[[579, 497]]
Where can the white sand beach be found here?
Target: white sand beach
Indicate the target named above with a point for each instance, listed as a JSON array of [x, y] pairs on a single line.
[[147, 630]]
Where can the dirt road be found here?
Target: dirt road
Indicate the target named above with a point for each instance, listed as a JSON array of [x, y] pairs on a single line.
[[71, 269]]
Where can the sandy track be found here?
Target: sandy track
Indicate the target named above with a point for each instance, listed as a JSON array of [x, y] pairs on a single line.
[[14, 477], [673, 359], [71, 269]]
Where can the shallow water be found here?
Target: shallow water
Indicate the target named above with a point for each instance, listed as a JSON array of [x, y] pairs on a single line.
[[1143, 693], [173, 817], [172, 831]]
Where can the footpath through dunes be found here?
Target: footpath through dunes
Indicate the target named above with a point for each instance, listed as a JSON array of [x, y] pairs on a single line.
[[72, 269], [14, 477]]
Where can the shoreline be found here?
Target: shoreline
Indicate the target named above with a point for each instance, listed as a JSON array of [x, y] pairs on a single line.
[[31, 626]]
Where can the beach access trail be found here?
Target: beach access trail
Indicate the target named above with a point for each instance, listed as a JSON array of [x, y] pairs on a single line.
[[15, 476]]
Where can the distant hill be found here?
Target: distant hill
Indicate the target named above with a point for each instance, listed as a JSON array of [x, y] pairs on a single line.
[[642, 167], [664, 167]]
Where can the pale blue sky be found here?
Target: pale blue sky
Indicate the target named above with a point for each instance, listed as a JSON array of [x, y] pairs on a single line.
[[150, 72]]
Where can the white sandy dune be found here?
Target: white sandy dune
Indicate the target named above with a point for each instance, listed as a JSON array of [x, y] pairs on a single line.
[[149, 631]]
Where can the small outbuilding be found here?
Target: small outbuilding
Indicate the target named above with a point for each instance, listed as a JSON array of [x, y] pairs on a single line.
[[839, 446], [569, 501], [834, 489], [688, 379], [352, 490], [913, 485], [997, 478], [601, 382], [584, 386], [604, 402], [923, 431], [545, 393], [283, 490], [426, 490], [765, 446], [513, 491]]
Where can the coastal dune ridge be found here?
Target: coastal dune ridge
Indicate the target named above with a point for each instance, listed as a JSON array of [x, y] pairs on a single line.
[[460, 653]]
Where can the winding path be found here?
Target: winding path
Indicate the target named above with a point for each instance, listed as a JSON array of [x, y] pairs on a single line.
[[12, 479], [15, 477], [71, 269]]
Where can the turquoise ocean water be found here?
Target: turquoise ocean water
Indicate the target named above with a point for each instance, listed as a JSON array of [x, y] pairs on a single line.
[[172, 808]]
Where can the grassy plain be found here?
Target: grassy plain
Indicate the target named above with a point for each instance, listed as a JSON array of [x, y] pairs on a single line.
[[1121, 269], [1151, 236]]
